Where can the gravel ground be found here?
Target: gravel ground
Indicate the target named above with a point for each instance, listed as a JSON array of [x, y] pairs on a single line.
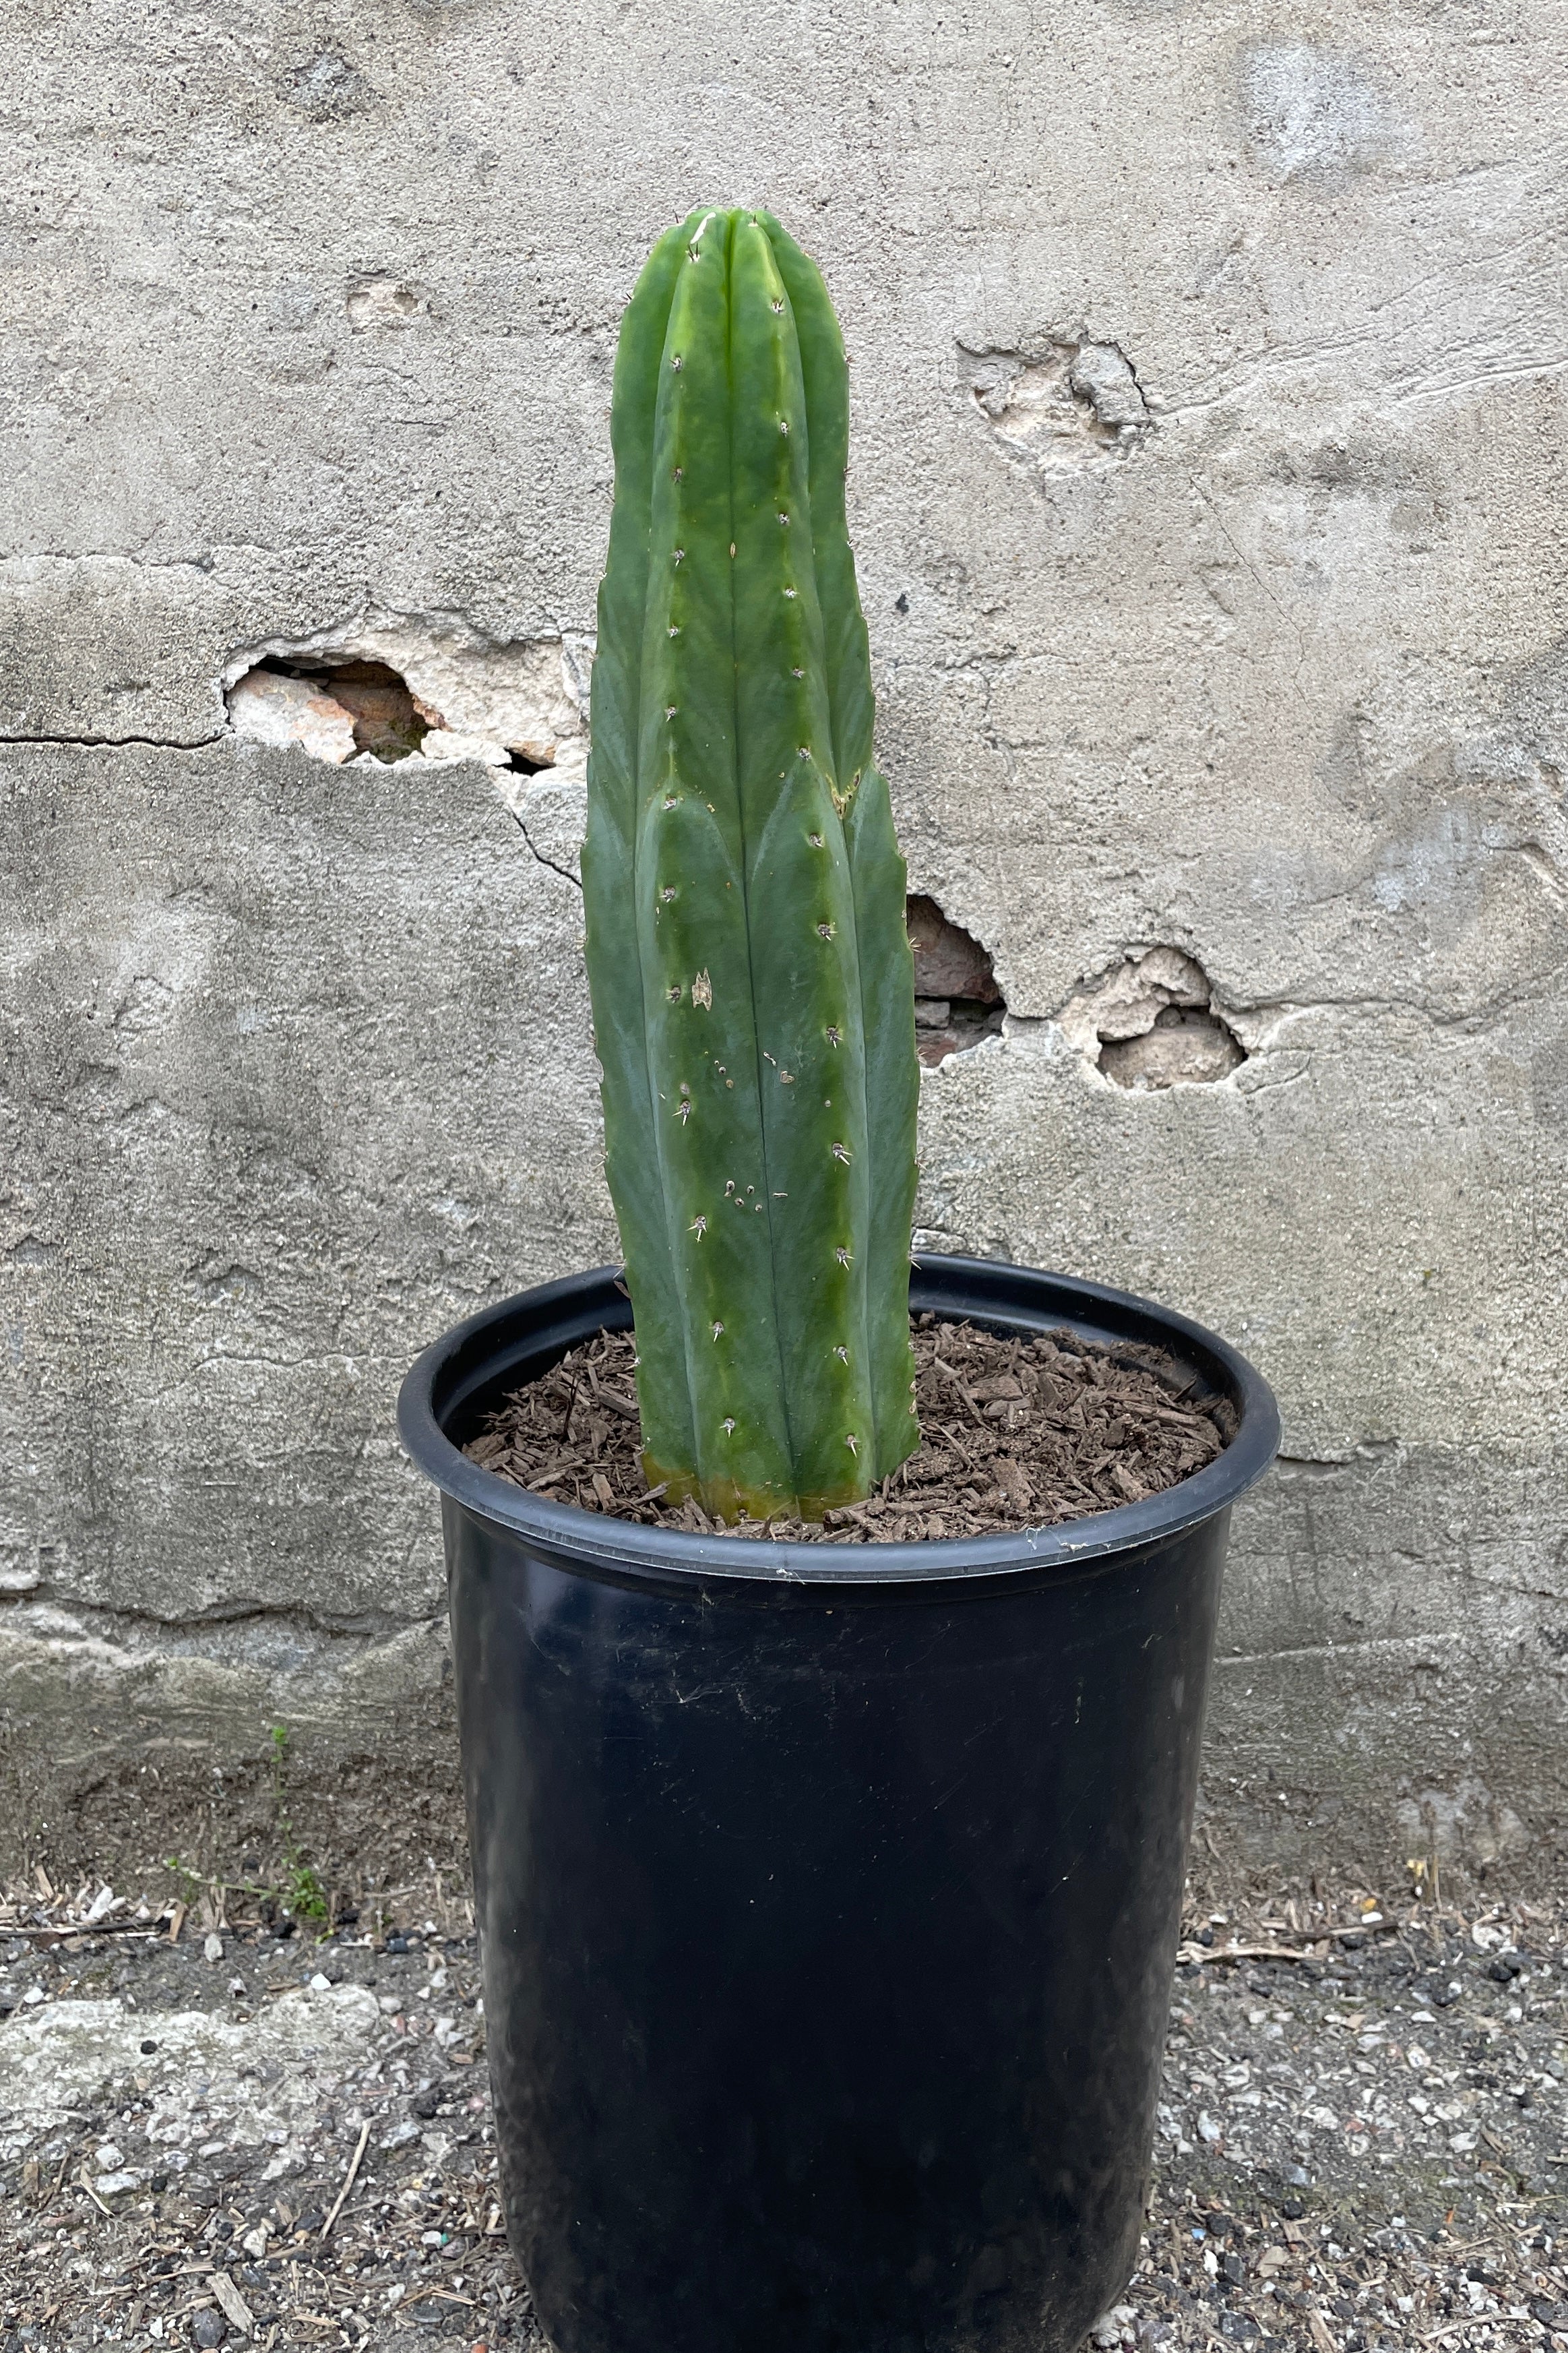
[[1361, 2146]]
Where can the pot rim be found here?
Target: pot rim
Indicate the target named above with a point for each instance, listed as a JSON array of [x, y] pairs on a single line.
[[993, 1290]]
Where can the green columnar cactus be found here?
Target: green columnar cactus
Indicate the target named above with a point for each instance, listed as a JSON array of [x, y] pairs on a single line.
[[753, 986]]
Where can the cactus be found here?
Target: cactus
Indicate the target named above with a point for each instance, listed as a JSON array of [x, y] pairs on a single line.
[[751, 974]]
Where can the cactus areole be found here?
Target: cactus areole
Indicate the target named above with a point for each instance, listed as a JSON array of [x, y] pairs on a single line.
[[751, 981]]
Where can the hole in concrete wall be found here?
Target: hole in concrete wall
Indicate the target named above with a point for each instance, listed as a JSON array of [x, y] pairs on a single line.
[[1067, 405], [384, 717], [957, 1001], [380, 302], [1152, 1021], [336, 709], [391, 687], [1183, 1044]]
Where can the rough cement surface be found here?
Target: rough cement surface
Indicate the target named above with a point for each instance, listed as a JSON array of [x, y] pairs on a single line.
[[60, 2057], [1209, 497]]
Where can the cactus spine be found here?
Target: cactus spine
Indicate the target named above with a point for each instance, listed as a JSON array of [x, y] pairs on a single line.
[[751, 981]]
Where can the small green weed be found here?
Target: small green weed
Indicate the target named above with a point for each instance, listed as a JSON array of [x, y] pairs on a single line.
[[192, 1883], [301, 1893]]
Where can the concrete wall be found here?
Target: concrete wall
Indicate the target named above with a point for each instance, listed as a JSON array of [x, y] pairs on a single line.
[[1209, 497]]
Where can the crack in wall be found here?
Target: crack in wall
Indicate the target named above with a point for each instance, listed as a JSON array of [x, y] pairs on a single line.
[[565, 872], [1248, 1016], [1367, 1454], [118, 555], [117, 743], [1492, 1009], [1379, 1643], [67, 1619]]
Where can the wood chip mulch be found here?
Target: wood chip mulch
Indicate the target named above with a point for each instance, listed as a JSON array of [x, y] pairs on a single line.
[[1014, 1434]]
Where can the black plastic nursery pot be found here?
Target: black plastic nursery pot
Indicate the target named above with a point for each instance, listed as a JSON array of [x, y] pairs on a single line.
[[828, 1895]]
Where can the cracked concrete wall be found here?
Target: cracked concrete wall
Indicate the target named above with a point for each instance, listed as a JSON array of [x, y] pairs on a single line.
[[1209, 498]]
